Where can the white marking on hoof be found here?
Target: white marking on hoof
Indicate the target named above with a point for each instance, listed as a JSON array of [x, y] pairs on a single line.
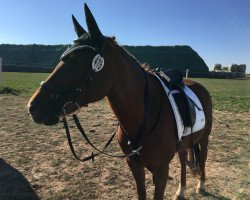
[[180, 192], [201, 188]]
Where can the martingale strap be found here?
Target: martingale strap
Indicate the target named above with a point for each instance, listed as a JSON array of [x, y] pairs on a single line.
[[93, 155]]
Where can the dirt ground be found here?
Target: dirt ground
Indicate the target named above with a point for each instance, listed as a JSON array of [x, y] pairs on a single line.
[[36, 163]]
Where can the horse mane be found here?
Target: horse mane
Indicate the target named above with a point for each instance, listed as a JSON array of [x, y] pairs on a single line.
[[130, 57]]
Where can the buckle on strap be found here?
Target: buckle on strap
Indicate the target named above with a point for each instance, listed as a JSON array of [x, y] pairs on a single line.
[[136, 151]]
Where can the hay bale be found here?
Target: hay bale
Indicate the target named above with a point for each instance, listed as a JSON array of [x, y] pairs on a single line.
[[218, 74], [233, 68], [242, 68], [226, 74], [232, 75], [217, 66], [225, 69], [211, 74], [221, 74], [241, 74]]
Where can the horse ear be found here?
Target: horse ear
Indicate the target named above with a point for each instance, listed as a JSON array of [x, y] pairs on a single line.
[[94, 31], [78, 28]]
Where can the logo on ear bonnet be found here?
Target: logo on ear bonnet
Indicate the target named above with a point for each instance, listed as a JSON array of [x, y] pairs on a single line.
[[97, 63]]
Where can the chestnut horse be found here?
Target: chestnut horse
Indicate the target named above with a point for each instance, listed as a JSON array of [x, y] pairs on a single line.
[[94, 67]]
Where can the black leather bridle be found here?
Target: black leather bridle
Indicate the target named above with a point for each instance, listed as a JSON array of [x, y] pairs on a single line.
[[82, 89]]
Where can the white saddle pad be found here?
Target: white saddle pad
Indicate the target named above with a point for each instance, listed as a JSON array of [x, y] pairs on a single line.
[[200, 116]]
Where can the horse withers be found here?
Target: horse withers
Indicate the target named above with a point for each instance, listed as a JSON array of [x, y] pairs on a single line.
[[94, 67]]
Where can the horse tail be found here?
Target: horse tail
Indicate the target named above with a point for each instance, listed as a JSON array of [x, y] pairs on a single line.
[[194, 156]]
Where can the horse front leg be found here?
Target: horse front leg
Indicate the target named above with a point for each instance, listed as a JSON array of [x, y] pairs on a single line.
[[138, 172], [182, 185], [160, 177]]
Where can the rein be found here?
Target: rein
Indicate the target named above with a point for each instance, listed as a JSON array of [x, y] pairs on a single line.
[[84, 135], [135, 146]]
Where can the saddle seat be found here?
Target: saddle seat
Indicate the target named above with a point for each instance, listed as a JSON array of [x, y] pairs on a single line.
[[173, 79]]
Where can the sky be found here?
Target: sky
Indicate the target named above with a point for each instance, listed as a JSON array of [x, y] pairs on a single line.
[[218, 30]]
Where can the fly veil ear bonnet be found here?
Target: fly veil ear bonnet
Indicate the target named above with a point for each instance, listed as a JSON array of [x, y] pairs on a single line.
[[93, 40]]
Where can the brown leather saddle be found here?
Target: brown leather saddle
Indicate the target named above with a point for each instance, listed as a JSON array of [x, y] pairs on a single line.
[[173, 79]]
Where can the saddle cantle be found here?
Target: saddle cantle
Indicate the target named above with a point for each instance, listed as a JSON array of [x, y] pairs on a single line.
[[173, 79]]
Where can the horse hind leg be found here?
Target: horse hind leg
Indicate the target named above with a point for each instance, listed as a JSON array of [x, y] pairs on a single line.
[[138, 172], [202, 160], [182, 185]]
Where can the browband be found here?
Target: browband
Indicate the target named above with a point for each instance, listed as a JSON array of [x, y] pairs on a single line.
[[71, 50]]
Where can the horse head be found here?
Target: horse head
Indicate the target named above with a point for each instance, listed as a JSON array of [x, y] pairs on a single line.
[[82, 76]]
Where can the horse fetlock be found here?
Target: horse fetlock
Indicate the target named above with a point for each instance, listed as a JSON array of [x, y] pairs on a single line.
[[201, 188], [180, 192], [176, 197]]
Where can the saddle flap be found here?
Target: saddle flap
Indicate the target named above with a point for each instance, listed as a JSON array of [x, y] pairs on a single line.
[[192, 112], [186, 108], [174, 80]]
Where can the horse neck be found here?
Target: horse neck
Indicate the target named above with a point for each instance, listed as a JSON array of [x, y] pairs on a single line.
[[127, 94]]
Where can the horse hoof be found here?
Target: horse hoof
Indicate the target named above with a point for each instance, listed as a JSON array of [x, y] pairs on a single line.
[[178, 197], [201, 191]]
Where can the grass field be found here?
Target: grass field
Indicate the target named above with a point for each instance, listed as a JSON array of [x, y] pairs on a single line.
[[227, 94], [21, 83], [35, 161]]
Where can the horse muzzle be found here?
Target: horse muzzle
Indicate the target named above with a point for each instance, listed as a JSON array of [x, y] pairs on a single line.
[[43, 116]]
